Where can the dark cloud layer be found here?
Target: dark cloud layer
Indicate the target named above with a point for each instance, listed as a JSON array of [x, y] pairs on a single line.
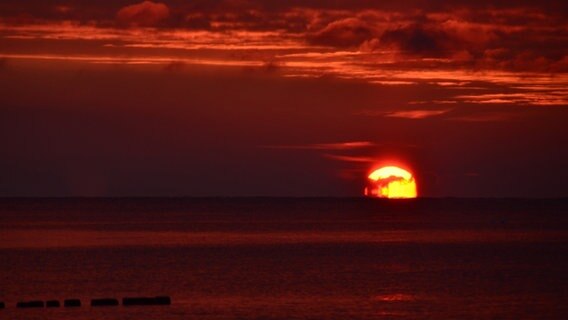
[[519, 35], [415, 39]]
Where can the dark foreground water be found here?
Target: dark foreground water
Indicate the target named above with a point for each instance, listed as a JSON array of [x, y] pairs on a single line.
[[288, 258]]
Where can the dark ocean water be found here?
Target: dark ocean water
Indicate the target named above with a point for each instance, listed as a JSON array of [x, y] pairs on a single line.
[[288, 258]]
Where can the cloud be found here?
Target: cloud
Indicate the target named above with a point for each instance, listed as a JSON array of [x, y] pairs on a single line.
[[517, 39], [145, 14], [197, 21], [546, 98], [408, 114], [349, 32], [357, 159], [416, 114], [364, 40], [418, 40], [388, 180], [63, 9], [328, 146]]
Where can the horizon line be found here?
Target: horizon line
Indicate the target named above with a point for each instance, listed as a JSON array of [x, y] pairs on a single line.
[[275, 197]]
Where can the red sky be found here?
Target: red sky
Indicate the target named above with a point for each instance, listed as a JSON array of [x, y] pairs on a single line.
[[282, 98]]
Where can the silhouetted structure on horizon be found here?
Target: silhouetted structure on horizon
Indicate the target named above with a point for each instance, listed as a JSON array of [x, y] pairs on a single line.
[[30, 304], [99, 302]]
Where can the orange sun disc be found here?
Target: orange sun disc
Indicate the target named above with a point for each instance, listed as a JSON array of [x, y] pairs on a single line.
[[391, 182]]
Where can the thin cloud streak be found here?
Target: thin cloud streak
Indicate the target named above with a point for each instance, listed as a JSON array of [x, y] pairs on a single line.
[[327, 146], [353, 159], [416, 114], [138, 60]]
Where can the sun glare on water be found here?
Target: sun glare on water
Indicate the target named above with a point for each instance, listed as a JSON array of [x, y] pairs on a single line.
[[391, 182]]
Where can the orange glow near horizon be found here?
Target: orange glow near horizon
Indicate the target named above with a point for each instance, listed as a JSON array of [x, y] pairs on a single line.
[[391, 182]]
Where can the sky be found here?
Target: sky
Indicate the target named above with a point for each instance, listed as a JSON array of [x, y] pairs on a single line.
[[282, 98]]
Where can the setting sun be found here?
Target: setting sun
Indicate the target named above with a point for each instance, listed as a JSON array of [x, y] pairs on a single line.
[[391, 182]]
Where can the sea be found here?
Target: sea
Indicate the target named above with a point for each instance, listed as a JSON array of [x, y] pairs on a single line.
[[287, 258]]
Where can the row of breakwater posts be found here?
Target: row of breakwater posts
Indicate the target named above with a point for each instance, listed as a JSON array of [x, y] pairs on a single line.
[[99, 302]]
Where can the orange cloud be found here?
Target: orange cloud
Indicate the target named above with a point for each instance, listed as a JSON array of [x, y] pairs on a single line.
[[146, 14], [416, 114], [349, 32], [547, 98]]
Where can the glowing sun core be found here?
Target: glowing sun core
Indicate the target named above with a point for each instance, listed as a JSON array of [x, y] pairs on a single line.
[[391, 182]]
